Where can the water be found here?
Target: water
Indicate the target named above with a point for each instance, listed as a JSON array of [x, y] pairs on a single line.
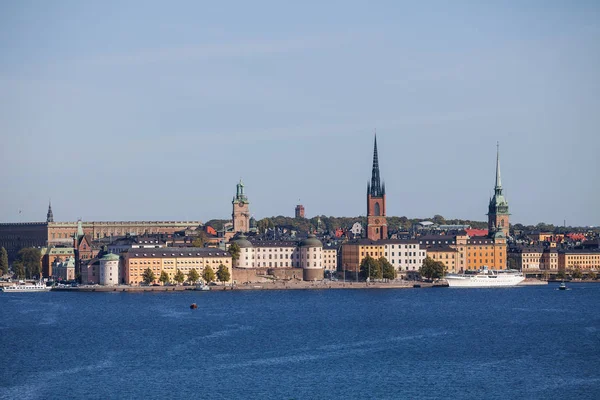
[[529, 343]]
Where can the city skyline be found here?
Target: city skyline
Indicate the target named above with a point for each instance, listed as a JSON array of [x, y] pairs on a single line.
[[121, 112]]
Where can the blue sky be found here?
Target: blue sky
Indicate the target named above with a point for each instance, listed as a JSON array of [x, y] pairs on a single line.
[[152, 110]]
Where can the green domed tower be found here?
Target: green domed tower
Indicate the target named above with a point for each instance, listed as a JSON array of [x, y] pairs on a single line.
[[498, 215]]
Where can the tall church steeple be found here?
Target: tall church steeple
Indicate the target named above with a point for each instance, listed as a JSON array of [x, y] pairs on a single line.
[[498, 215], [376, 217], [49, 216]]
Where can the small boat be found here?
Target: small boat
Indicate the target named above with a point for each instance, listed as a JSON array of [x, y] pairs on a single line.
[[193, 306], [563, 286]]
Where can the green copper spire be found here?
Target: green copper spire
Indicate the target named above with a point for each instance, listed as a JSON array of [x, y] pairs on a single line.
[[498, 179]]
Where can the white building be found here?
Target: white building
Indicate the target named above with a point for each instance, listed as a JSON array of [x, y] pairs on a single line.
[[109, 269], [404, 255], [356, 229]]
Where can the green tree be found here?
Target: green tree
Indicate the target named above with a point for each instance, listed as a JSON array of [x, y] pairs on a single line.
[[387, 269], [148, 276], [193, 276], [3, 261], [179, 277], [164, 278], [370, 268], [200, 239], [432, 269], [19, 269], [31, 258], [223, 274], [592, 276], [234, 250], [576, 273], [208, 275], [561, 275]]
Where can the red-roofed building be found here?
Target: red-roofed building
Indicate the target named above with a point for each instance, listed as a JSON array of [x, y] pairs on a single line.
[[476, 232]]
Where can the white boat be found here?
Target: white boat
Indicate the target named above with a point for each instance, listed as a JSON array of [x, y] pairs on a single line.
[[485, 279], [27, 287]]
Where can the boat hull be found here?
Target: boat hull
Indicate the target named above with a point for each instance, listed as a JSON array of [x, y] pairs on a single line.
[[478, 281]]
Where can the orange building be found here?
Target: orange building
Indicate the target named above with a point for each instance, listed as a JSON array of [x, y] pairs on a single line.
[[579, 259], [446, 255]]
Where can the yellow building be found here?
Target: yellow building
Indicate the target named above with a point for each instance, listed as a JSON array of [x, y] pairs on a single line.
[[446, 255], [579, 259], [354, 252], [171, 259], [483, 251]]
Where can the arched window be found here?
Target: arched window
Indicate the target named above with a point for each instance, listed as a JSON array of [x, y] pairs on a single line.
[[377, 210], [502, 223]]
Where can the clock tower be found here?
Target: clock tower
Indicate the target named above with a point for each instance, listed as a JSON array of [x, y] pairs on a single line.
[[376, 217], [241, 210]]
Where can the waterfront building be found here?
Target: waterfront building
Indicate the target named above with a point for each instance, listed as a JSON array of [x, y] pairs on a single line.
[[64, 269], [52, 254], [445, 254], [404, 255], [330, 257], [109, 269], [311, 258], [171, 259], [299, 212], [376, 213], [585, 260], [498, 215], [526, 258], [90, 271], [483, 251], [120, 245]]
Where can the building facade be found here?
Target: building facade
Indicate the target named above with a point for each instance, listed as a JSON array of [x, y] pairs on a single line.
[[376, 213], [171, 259], [299, 212], [109, 269]]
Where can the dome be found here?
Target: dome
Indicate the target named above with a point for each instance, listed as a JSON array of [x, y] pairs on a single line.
[[110, 257], [243, 242], [311, 241]]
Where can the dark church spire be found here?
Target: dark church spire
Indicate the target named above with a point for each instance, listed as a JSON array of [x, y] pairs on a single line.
[[49, 216], [375, 189]]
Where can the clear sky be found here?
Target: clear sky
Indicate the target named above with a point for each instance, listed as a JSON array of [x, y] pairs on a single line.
[[120, 110]]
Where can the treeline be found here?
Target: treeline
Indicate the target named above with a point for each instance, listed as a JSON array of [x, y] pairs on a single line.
[[332, 223], [394, 223]]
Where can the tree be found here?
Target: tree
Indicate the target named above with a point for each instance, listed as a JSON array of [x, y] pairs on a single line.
[[234, 250], [223, 274], [370, 268], [208, 275], [31, 258], [193, 276], [387, 269], [3, 261], [592, 275], [164, 278], [148, 276], [19, 269], [561, 275], [438, 219], [200, 239], [179, 277], [576, 273], [432, 269]]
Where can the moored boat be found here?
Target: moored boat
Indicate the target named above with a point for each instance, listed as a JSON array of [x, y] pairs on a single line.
[[26, 287], [485, 279]]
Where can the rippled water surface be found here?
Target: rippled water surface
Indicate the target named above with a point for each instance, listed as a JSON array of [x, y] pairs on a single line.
[[529, 343]]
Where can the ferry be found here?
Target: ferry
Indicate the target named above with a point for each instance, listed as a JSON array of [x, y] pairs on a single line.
[[27, 287], [486, 278]]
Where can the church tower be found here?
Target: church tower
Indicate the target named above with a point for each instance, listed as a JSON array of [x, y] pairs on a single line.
[[498, 215], [376, 219], [49, 216], [241, 210]]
